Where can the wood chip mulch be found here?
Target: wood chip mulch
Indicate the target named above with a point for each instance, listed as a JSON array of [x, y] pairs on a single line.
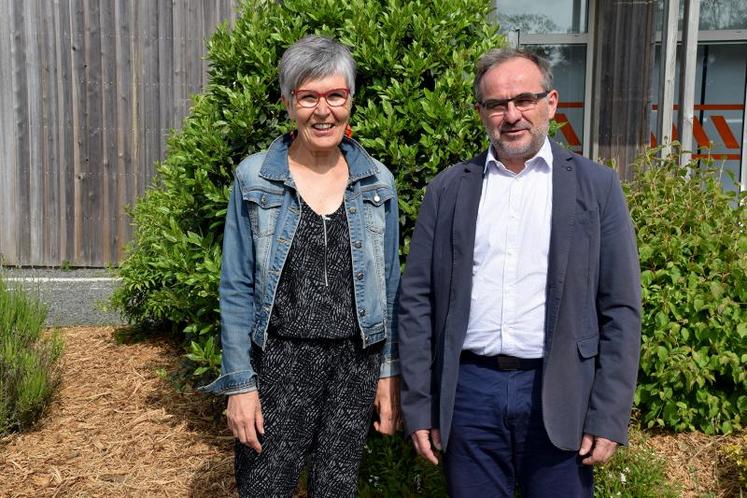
[[119, 428], [695, 462]]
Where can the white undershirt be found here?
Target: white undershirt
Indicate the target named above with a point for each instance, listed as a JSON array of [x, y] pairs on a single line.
[[509, 268]]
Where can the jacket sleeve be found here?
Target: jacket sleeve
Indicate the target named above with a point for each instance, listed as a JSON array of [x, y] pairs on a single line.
[[618, 304], [415, 321], [236, 301], [390, 366]]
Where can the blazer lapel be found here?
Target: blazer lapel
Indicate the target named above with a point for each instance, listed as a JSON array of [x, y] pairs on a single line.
[[563, 221], [464, 219], [465, 210]]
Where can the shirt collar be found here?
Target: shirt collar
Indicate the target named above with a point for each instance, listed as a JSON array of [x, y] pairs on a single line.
[[543, 158]]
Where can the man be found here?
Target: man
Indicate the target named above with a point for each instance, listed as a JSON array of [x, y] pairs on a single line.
[[520, 305]]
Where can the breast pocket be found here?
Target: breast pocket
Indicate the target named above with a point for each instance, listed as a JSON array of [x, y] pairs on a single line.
[[374, 200], [263, 206]]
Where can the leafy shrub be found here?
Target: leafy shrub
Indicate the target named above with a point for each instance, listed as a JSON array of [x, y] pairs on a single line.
[[412, 110], [28, 360], [693, 251]]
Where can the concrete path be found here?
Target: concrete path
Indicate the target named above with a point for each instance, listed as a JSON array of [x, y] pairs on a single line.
[[74, 297]]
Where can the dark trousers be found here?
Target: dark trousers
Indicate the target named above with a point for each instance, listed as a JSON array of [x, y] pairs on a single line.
[[317, 400], [498, 440]]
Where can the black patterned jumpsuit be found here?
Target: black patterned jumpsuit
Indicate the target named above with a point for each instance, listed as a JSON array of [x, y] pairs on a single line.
[[316, 382]]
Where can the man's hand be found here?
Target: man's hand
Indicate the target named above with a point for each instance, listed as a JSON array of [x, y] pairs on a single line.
[[596, 450], [245, 419], [387, 405], [422, 442]]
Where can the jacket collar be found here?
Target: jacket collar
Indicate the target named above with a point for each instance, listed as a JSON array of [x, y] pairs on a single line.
[[275, 164]]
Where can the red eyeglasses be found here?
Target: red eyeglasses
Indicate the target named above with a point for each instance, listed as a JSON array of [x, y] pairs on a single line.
[[309, 99]]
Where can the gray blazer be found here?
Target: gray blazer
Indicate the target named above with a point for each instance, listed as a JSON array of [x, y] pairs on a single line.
[[592, 325]]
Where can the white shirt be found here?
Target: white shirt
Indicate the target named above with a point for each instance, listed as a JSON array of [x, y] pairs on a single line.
[[509, 268]]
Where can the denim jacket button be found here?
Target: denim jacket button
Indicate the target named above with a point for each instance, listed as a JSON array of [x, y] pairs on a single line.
[[359, 275], [263, 200], [362, 312], [377, 198], [357, 244], [353, 210]]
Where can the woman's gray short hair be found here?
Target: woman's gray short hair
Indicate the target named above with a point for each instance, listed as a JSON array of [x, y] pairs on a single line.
[[313, 57], [498, 56]]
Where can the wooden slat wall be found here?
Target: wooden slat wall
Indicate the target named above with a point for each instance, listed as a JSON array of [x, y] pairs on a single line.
[[88, 92], [8, 136]]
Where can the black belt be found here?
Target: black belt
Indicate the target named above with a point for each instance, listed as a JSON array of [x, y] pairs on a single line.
[[501, 361]]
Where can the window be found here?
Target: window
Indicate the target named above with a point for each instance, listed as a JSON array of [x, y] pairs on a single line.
[[542, 17], [714, 14]]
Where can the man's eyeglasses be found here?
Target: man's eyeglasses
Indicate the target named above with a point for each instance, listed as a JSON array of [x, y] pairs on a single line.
[[310, 98], [522, 102]]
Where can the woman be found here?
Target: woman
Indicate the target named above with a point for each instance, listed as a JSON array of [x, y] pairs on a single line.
[[309, 278]]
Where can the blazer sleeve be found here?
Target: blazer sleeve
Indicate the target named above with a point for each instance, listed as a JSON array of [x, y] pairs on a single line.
[[415, 321], [618, 303]]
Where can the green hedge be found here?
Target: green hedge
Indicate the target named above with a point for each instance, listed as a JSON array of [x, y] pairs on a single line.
[[692, 240], [29, 371], [413, 111]]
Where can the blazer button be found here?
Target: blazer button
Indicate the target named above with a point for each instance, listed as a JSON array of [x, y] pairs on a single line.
[[359, 275], [357, 244]]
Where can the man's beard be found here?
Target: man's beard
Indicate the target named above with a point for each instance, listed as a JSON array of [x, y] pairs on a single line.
[[524, 151]]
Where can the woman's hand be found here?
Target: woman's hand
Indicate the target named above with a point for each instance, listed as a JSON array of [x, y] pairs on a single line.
[[245, 419], [387, 405]]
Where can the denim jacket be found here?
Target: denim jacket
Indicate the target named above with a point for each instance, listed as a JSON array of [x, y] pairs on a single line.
[[261, 220]]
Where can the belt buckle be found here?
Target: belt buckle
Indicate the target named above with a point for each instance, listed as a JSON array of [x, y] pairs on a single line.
[[508, 363]]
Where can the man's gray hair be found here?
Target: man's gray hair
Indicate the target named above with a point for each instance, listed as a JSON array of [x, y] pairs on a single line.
[[498, 56], [313, 57]]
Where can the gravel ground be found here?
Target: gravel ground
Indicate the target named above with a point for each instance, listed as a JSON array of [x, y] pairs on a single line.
[[74, 297]]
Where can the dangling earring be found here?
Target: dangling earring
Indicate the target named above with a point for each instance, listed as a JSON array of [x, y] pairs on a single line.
[[293, 134], [348, 131]]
